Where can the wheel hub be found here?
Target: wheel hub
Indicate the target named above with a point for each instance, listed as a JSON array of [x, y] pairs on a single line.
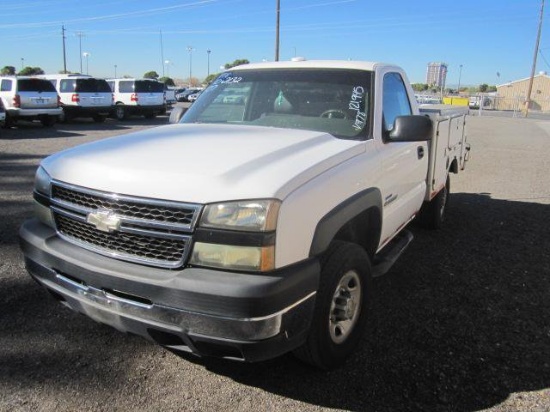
[[345, 306]]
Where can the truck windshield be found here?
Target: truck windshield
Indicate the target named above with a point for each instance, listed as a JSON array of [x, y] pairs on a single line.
[[332, 101]]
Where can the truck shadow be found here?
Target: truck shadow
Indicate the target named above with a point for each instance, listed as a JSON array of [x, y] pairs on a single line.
[[462, 321]]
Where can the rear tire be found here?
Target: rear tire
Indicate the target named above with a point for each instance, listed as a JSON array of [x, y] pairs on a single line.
[[9, 122], [341, 307], [121, 112], [432, 214], [48, 121], [63, 117]]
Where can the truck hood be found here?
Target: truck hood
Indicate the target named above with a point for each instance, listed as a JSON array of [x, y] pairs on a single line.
[[202, 163]]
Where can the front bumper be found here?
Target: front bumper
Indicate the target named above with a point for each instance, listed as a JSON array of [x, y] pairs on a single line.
[[242, 316]]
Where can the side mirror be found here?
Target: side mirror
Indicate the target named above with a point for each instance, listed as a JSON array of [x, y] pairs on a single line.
[[176, 114], [416, 128]]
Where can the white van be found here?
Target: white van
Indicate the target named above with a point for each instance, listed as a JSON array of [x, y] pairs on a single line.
[[82, 96], [137, 96], [29, 98]]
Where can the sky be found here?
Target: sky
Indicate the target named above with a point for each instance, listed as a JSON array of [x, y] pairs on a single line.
[[493, 40]]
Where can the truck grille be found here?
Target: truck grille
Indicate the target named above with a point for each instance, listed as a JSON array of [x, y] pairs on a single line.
[[148, 231]]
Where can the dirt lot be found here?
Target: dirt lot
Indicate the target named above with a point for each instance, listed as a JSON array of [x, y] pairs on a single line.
[[462, 320]]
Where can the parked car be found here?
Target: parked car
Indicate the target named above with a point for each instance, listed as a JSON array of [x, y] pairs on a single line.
[[82, 96], [2, 114], [184, 96], [170, 94], [192, 97], [29, 98], [137, 97]]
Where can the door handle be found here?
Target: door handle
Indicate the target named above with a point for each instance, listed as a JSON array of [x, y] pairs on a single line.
[[420, 152]]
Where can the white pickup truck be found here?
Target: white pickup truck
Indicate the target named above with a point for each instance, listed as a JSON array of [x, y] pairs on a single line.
[[252, 227]]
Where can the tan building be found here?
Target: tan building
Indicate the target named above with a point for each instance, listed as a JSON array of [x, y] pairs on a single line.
[[436, 74], [511, 96]]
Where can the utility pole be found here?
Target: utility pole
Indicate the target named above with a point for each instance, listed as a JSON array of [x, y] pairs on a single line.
[[534, 66], [64, 52], [277, 26]]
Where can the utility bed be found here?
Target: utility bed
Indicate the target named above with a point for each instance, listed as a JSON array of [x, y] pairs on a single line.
[[448, 142]]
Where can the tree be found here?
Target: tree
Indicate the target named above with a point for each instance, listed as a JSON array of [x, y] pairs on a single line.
[[192, 82], [237, 62], [210, 78], [151, 75], [29, 71], [168, 81], [483, 88], [419, 87], [7, 71]]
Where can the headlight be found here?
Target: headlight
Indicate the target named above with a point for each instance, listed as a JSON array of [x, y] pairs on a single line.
[[42, 182], [246, 258], [257, 217], [251, 215]]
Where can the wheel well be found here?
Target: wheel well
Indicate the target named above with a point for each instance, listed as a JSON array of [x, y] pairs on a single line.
[[364, 230]]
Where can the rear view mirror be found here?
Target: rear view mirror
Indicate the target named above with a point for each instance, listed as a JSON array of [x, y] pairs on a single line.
[[176, 114], [415, 128]]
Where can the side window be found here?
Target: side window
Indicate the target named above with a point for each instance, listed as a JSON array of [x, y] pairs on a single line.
[[5, 85], [395, 100], [111, 85]]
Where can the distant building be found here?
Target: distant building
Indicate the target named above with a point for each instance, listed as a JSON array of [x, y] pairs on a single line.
[[436, 75], [512, 95]]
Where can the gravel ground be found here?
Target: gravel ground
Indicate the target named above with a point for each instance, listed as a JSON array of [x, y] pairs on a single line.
[[462, 320]]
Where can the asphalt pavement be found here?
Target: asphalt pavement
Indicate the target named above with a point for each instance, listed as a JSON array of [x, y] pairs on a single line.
[[460, 323]]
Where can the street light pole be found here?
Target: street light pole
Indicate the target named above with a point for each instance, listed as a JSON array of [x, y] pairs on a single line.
[[208, 54], [115, 70], [459, 77], [22, 63], [80, 34], [190, 50], [86, 55]]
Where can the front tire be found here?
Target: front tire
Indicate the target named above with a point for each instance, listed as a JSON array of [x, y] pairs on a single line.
[[341, 306]]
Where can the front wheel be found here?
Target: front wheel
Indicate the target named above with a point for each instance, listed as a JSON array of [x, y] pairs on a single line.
[[341, 306], [432, 214]]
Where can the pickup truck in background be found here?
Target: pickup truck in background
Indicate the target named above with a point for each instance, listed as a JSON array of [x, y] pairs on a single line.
[[252, 226]]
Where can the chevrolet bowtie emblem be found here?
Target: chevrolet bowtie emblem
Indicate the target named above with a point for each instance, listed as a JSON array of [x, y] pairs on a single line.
[[104, 221]]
